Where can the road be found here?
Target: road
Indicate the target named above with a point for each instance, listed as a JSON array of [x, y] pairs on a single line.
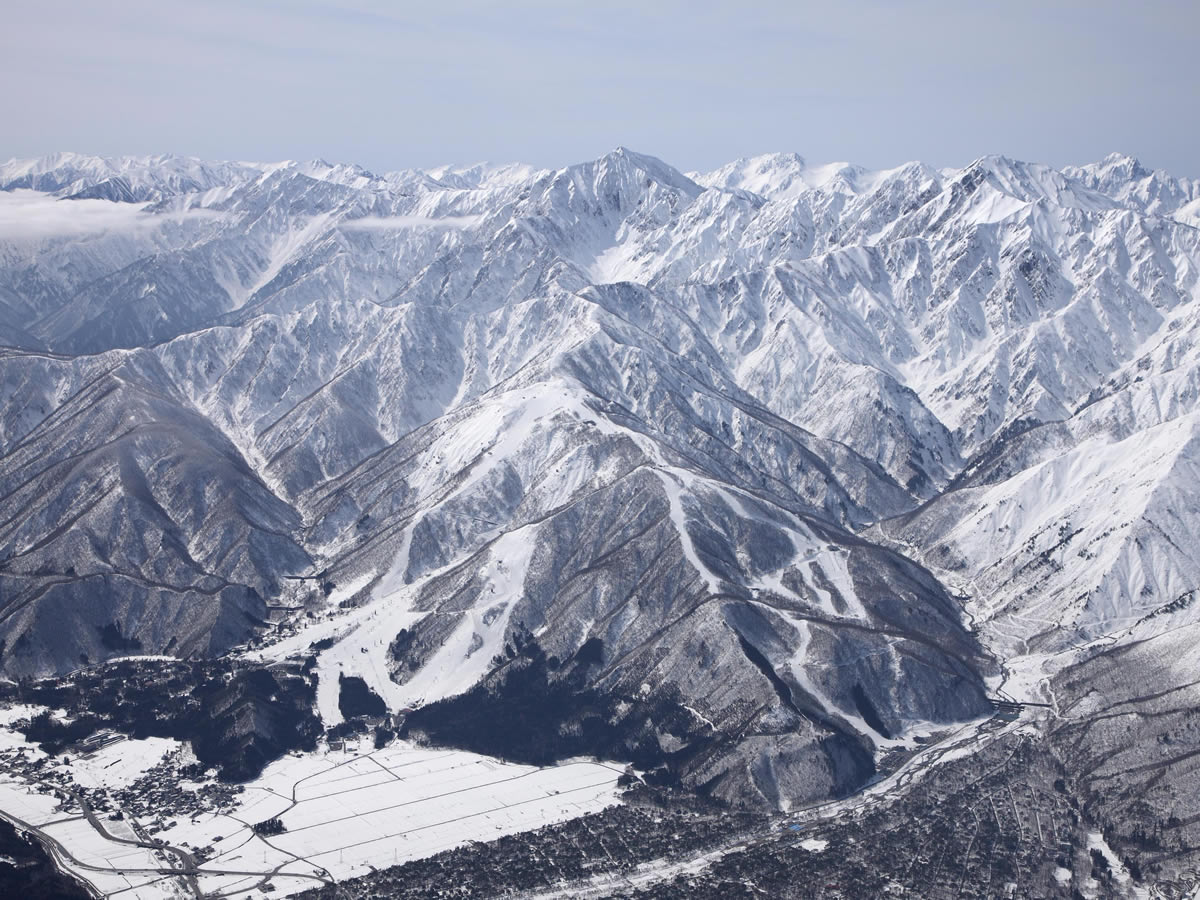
[[188, 870], [182, 867]]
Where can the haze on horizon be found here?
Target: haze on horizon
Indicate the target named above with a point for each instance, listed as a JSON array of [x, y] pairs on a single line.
[[392, 86]]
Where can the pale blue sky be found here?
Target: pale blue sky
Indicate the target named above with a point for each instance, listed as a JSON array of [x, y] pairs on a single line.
[[392, 85]]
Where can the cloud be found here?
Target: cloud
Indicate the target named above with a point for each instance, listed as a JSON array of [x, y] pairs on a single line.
[[396, 223], [34, 216]]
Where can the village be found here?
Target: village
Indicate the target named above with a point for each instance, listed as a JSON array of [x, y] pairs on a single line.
[[143, 813]]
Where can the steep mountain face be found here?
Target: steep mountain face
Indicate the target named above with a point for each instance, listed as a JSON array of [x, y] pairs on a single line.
[[130, 523], [773, 466]]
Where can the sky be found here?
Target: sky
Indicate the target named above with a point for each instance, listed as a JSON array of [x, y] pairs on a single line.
[[393, 85]]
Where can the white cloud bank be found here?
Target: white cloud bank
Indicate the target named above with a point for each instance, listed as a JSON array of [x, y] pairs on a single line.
[[34, 216], [396, 223]]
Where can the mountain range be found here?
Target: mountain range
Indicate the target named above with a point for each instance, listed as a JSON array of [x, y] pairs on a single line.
[[756, 474]]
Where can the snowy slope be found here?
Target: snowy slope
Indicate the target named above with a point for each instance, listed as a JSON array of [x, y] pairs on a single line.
[[770, 437]]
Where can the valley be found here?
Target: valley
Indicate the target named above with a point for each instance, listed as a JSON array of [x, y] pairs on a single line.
[[765, 483]]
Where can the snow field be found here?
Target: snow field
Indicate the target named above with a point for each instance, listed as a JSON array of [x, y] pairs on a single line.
[[432, 803], [345, 811], [348, 811], [121, 763], [88, 855]]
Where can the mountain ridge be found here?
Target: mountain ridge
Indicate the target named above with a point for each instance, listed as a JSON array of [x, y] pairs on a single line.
[[767, 435]]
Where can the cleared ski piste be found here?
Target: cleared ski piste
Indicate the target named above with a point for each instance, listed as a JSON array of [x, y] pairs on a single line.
[[346, 812]]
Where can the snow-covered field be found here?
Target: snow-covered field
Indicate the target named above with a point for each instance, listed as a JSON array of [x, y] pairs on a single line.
[[405, 803], [121, 763], [345, 812], [112, 868]]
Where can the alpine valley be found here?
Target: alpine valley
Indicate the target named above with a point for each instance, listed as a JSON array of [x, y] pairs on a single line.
[[849, 517]]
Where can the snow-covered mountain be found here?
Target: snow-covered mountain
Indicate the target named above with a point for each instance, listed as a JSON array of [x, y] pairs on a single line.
[[777, 464]]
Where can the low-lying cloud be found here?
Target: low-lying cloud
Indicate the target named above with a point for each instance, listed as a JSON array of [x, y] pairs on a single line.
[[34, 216], [396, 223]]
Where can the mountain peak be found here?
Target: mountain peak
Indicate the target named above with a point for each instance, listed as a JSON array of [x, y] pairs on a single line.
[[719, 453], [622, 158]]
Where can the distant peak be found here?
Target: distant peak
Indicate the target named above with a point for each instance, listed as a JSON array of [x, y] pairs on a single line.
[[624, 159], [1115, 159], [769, 161], [1131, 166], [641, 160], [994, 162]]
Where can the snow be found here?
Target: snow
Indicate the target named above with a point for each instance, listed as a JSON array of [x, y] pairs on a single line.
[[699, 715], [463, 659], [1063, 508], [788, 317], [100, 862], [364, 636], [406, 803], [787, 177], [497, 436], [282, 250], [18, 801], [799, 665], [612, 264], [673, 481], [348, 590], [93, 853], [643, 876], [1189, 213], [121, 763], [16, 712], [1096, 841], [346, 812]]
